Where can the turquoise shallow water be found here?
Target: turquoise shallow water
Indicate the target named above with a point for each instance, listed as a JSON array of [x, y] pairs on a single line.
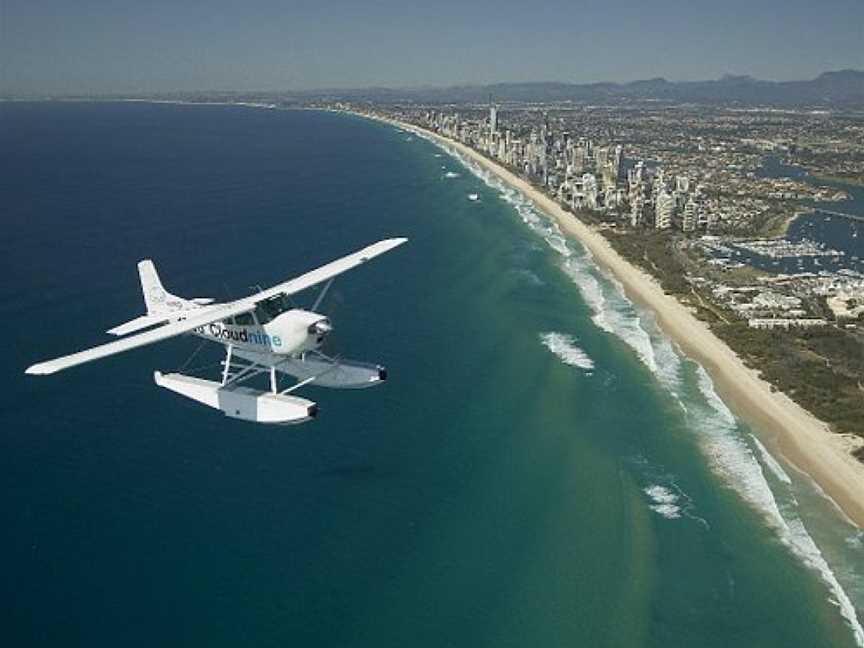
[[542, 468]]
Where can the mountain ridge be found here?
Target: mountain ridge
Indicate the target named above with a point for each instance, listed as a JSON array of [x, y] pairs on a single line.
[[835, 88]]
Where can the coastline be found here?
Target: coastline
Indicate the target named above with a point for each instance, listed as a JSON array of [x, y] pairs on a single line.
[[803, 440], [849, 180], [783, 229]]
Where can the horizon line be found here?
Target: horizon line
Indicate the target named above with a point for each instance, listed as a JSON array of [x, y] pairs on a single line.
[[409, 88]]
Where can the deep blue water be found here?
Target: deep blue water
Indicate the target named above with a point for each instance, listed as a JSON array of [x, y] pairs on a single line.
[[542, 468]]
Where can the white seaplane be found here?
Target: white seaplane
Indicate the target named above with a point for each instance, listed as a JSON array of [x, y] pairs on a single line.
[[263, 334]]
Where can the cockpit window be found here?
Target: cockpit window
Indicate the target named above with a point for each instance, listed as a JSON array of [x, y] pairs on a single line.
[[269, 309], [244, 319]]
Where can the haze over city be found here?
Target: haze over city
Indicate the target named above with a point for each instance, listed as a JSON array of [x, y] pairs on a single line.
[[52, 46]]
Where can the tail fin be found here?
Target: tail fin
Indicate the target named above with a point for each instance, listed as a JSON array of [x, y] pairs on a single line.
[[156, 298]]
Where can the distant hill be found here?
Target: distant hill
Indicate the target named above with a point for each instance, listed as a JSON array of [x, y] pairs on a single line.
[[840, 88]]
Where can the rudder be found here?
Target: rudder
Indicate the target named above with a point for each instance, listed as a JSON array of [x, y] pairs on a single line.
[[156, 298]]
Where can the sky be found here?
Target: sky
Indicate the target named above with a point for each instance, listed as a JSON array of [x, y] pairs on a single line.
[[124, 46]]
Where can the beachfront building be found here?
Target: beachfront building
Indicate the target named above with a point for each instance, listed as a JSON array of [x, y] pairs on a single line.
[[664, 210], [690, 215], [637, 210], [786, 323], [583, 173]]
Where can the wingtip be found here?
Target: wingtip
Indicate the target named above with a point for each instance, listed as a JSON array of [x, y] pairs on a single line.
[[385, 245]]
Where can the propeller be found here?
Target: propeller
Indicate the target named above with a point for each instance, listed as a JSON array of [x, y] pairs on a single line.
[[328, 346]]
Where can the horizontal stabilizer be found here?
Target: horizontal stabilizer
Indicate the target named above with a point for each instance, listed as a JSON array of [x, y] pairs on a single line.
[[139, 324], [240, 402]]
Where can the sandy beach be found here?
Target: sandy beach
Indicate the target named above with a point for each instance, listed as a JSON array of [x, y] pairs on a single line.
[[782, 424]]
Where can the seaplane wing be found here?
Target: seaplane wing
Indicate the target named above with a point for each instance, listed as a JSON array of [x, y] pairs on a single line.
[[212, 314], [330, 270]]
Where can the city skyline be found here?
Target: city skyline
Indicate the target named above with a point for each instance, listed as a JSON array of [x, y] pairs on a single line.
[[91, 47]]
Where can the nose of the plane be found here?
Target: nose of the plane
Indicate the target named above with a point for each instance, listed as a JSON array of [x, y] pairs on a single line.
[[321, 327]]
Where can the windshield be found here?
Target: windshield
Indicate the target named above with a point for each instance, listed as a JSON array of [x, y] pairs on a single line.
[[269, 309]]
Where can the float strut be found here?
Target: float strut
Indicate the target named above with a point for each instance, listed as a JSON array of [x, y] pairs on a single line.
[[227, 364]]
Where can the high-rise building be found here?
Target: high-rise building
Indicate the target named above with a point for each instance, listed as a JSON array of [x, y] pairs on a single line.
[[580, 157], [493, 119], [635, 175], [664, 209], [690, 216], [617, 158], [637, 209], [601, 158], [589, 189]]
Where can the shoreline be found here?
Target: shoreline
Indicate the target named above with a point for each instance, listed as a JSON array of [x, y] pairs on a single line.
[[803, 440], [853, 181], [783, 229]]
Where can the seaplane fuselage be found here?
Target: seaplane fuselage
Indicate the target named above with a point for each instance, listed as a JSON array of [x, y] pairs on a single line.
[[289, 333]]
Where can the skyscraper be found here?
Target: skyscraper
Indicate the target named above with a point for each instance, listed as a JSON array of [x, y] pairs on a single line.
[[664, 210]]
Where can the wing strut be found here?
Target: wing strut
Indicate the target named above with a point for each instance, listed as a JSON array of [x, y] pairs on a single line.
[[321, 296]]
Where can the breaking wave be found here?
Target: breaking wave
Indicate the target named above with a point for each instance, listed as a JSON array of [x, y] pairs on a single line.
[[737, 463], [771, 463], [664, 501], [564, 346], [666, 498]]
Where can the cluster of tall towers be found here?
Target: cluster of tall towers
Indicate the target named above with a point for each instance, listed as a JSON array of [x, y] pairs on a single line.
[[582, 174]]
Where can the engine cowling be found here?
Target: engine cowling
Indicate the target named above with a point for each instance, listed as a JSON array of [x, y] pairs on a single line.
[[300, 331]]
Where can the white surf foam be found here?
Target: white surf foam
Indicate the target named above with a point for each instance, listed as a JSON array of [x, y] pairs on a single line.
[[564, 346], [664, 501], [666, 498], [772, 464]]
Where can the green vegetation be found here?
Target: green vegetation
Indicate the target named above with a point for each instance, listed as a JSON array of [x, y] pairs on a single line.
[[656, 252], [774, 221], [771, 223], [819, 369]]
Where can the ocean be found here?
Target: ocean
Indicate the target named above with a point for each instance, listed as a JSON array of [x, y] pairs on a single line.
[[541, 468]]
